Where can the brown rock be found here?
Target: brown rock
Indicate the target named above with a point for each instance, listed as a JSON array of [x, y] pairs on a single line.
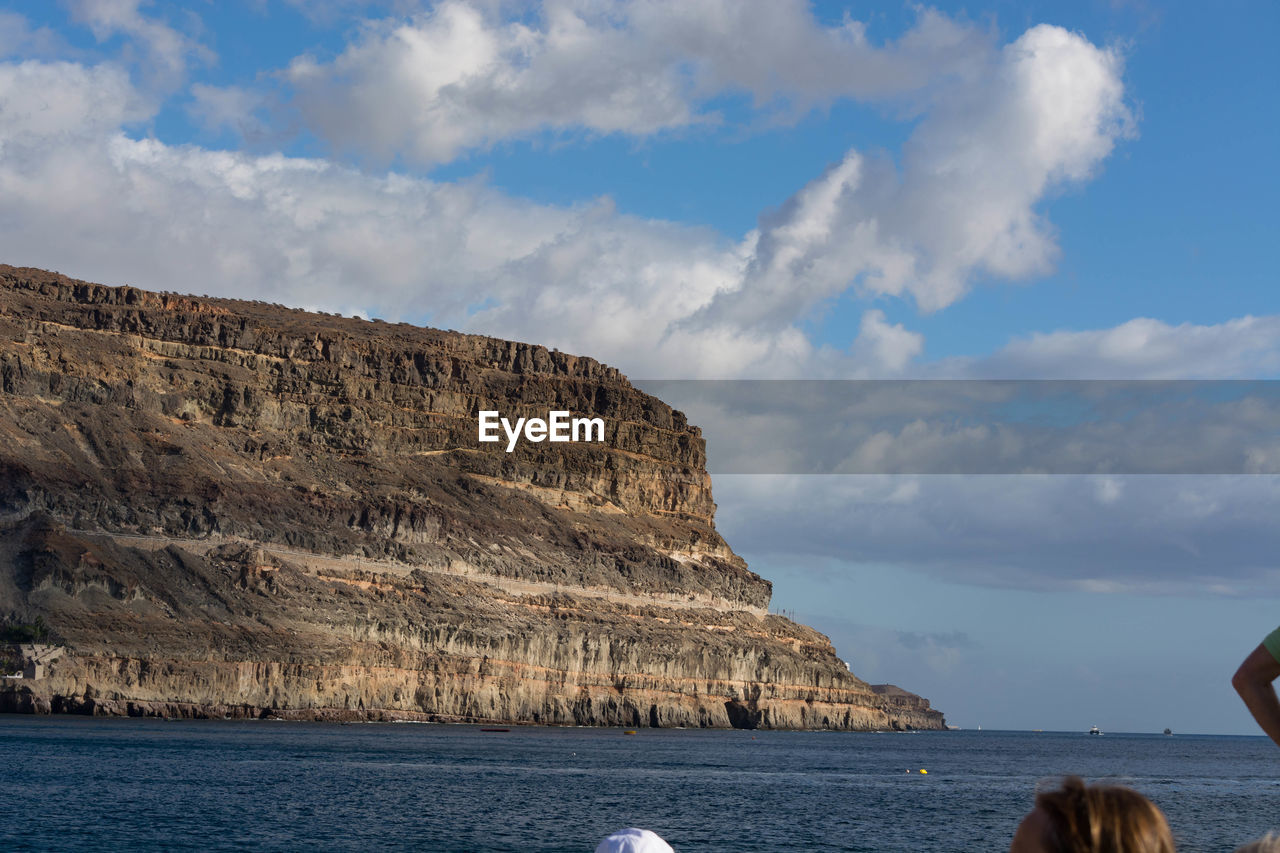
[[225, 508]]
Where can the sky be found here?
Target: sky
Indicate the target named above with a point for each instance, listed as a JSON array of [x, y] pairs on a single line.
[[753, 189]]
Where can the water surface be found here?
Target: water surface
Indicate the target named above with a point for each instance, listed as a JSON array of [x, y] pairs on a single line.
[[155, 785]]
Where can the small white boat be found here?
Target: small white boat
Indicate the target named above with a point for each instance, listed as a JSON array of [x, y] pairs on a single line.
[[1095, 731]]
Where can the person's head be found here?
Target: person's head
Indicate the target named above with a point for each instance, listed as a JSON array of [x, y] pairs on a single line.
[[1080, 818], [632, 840], [1269, 843]]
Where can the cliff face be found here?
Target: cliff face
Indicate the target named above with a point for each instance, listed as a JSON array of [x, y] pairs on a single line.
[[224, 507]]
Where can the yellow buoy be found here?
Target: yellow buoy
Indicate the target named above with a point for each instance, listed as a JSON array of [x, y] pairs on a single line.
[[629, 732], [924, 772]]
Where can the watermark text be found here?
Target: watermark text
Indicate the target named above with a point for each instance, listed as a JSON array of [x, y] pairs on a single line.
[[557, 426]]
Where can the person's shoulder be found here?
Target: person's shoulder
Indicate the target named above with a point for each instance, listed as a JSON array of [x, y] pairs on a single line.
[[1272, 644]]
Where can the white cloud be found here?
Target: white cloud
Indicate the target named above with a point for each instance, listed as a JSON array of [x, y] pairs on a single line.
[[79, 195], [233, 107], [999, 132], [17, 38], [890, 347], [963, 204], [459, 76], [1141, 348], [1000, 129], [168, 50], [453, 80], [43, 104]]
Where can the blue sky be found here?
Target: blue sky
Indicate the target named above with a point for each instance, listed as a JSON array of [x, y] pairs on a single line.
[[747, 190]]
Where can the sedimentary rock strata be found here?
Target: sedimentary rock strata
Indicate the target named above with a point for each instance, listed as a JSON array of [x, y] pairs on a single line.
[[232, 508]]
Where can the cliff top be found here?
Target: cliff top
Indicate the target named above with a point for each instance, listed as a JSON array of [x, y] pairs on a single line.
[[174, 416]]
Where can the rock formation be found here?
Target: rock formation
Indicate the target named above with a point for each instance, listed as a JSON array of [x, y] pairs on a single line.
[[227, 508]]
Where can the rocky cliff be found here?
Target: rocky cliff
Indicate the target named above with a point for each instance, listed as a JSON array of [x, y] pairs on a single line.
[[233, 508]]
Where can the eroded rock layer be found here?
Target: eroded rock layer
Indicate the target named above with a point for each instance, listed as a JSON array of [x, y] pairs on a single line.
[[232, 508]]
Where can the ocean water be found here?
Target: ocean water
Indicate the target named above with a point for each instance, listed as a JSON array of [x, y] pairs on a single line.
[[78, 783]]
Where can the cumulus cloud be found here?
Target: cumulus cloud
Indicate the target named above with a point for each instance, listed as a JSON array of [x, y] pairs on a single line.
[[168, 50], [962, 205], [892, 347], [454, 80], [657, 298], [461, 76], [45, 104], [1002, 128], [78, 194]]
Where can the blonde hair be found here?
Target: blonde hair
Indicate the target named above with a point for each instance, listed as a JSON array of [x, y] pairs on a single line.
[[1102, 819], [1269, 843]]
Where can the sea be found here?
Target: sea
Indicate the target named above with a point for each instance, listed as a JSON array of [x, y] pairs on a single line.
[[71, 783]]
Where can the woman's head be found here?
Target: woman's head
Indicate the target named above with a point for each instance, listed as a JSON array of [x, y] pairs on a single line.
[[1080, 818], [1269, 843]]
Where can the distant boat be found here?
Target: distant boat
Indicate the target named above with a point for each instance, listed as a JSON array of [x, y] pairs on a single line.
[[1095, 731], [1168, 731]]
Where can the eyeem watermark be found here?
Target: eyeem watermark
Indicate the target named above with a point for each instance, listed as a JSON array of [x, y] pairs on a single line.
[[557, 426]]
